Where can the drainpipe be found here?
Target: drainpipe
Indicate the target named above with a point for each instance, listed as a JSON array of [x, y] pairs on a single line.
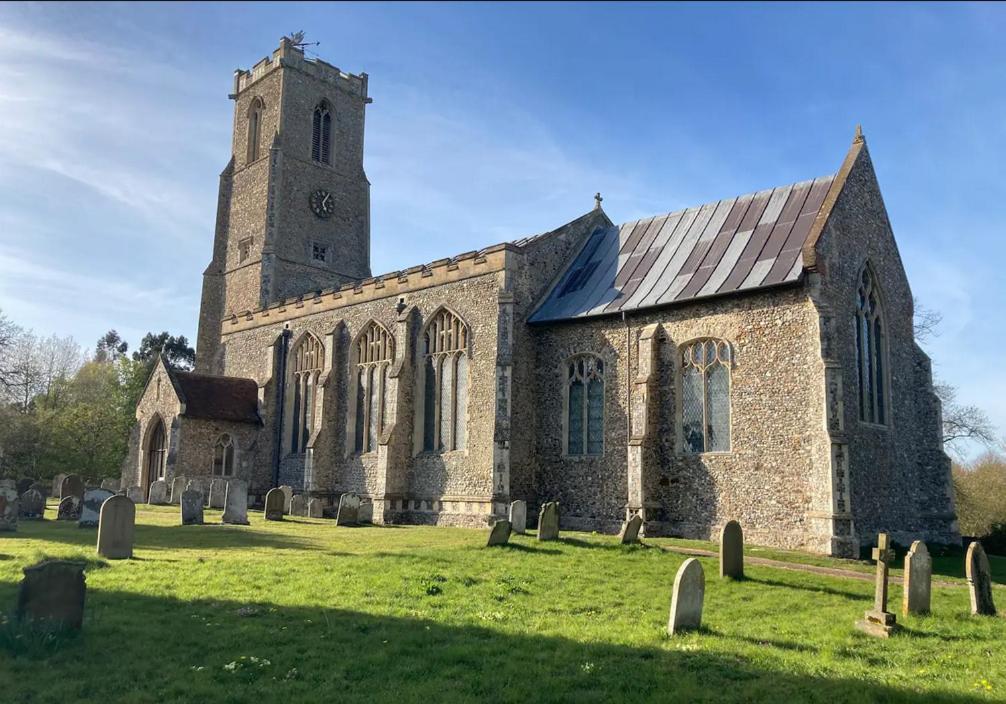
[[277, 449]]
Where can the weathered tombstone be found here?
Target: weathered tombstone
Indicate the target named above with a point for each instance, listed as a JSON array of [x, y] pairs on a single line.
[[274, 503], [135, 494], [41, 488], [91, 507], [158, 493], [116, 527], [8, 509], [500, 533], [630, 530], [298, 505], [236, 503], [23, 484], [52, 593], [7, 483], [287, 497], [979, 581], [314, 508], [178, 485], [518, 516], [548, 521], [69, 509], [113, 485], [687, 597], [878, 621], [32, 506], [349, 510], [72, 485], [732, 551], [57, 484], [918, 580], [192, 507], [218, 492]]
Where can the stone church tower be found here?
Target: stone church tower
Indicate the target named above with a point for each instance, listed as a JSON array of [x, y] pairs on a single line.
[[293, 213]]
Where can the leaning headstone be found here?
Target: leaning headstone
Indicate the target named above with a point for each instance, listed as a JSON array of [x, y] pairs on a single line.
[[518, 516], [349, 510], [918, 580], [69, 509], [500, 533], [116, 527], [287, 497], [135, 494], [72, 485], [52, 593], [274, 503], [687, 597], [23, 484], [32, 505], [630, 530], [732, 551], [236, 503], [314, 508], [91, 508], [218, 490], [298, 505], [979, 581], [192, 507], [548, 521], [113, 485], [8, 509], [57, 483], [878, 621], [178, 485], [158, 493]]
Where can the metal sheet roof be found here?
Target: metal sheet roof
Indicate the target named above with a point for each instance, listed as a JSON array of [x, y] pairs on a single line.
[[731, 245]]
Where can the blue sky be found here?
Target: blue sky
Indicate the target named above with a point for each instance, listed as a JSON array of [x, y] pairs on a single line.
[[493, 122]]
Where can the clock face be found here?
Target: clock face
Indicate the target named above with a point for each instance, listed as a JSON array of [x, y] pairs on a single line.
[[322, 203]]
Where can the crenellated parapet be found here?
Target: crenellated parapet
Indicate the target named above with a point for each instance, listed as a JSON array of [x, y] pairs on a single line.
[[289, 55]]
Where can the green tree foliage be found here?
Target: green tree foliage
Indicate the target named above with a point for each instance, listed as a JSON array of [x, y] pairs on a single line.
[[981, 496], [110, 347], [176, 351]]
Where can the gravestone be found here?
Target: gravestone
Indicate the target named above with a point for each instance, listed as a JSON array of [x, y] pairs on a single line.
[[548, 521], [91, 508], [192, 507], [52, 593], [178, 486], [732, 551], [630, 530], [500, 533], [236, 503], [298, 505], [72, 485], [200, 486], [979, 581], [116, 527], [274, 503], [23, 485], [918, 580], [315, 509], [135, 494], [32, 506], [518, 516], [158, 493], [349, 510], [687, 597], [218, 492], [878, 621], [287, 497], [9, 509], [7, 483], [113, 485], [57, 483], [69, 509], [41, 488]]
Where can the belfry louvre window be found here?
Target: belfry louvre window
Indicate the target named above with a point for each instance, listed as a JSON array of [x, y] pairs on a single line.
[[321, 133], [871, 351], [445, 383], [585, 405], [705, 396], [223, 456], [305, 369], [254, 128], [375, 349]]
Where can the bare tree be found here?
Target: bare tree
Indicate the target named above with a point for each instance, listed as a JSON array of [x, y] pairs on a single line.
[[9, 333], [58, 359], [926, 322], [963, 423]]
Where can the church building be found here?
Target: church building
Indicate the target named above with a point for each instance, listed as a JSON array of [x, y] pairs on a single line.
[[751, 358]]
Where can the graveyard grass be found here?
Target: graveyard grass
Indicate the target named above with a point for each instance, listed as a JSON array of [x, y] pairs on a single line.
[[302, 610]]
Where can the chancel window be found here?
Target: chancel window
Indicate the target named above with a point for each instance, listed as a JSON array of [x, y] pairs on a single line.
[[254, 128], [871, 352], [374, 351], [445, 383], [321, 133], [705, 396], [585, 405], [156, 452], [223, 456], [305, 369]]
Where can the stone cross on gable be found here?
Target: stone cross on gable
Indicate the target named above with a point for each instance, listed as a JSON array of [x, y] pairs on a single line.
[[878, 621], [597, 200]]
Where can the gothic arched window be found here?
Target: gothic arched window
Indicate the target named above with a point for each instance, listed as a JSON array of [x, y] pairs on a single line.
[[871, 351], [223, 456], [375, 348], [321, 133], [585, 405], [156, 452], [254, 128], [305, 368], [705, 396], [445, 383]]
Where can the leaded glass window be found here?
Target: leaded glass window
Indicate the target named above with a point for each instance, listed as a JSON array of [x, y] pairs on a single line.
[[375, 348], [871, 351], [321, 133], [705, 396], [306, 360], [585, 405], [223, 456], [445, 386]]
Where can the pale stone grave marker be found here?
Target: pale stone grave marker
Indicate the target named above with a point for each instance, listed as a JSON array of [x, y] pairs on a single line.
[[23, 485], [918, 580], [630, 530], [298, 505], [116, 528], [32, 505], [548, 521], [218, 490], [91, 507], [69, 509], [8, 484], [57, 483], [192, 507], [8, 509], [349, 510], [287, 497], [518, 516], [500, 533], [178, 486], [72, 485], [979, 581], [274, 502], [732, 551], [40, 488], [236, 503], [158, 493], [52, 592], [878, 621], [687, 597], [135, 494], [113, 485], [315, 509]]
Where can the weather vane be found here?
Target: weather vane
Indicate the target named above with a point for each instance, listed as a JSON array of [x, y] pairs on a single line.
[[297, 39]]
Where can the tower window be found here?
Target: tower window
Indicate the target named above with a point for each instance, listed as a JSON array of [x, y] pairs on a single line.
[[319, 252], [244, 249], [321, 133], [254, 128]]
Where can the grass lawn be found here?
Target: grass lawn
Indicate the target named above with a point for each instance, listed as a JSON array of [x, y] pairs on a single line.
[[415, 614]]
